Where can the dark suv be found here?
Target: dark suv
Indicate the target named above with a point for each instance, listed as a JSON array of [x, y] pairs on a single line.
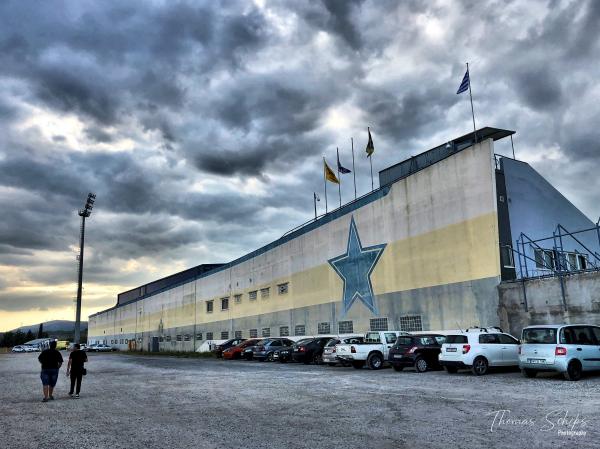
[[310, 351], [420, 351]]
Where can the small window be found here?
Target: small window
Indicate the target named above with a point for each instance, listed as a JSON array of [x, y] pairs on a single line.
[[238, 334], [544, 259], [282, 289], [411, 323], [179, 337], [252, 295], [139, 340], [199, 336], [209, 306], [160, 339], [284, 331], [168, 338], [225, 303], [506, 256], [209, 335], [224, 335], [323, 328], [237, 299], [186, 337], [300, 330], [265, 292], [266, 331], [582, 261], [345, 327], [253, 333], [378, 324], [126, 341]]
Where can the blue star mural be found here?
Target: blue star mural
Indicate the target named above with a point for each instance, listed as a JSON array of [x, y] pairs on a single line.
[[355, 268]]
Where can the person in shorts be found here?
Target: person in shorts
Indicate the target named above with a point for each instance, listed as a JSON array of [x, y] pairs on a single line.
[[75, 369], [51, 361]]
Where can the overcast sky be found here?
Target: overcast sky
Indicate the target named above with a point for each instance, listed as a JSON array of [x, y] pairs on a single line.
[[201, 125]]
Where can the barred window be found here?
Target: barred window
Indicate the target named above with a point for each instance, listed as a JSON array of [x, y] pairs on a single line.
[[252, 295], [378, 324], [209, 335], [209, 306], [411, 323], [199, 336], [225, 303], [264, 292], [300, 330], [238, 334], [186, 337], [282, 289], [237, 298], [179, 338], [160, 339], [253, 333], [323, 328], [284, 331], [224, 335], [345, 327], [168, 338], [266, 331]]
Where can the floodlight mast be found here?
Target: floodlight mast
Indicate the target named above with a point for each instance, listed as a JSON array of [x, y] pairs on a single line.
[[83, 213]]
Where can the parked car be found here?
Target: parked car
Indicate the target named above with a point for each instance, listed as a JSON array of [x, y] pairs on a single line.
[[18, 348], [285, 354], [570, 349], [248, 352], [479, 349], [218, 349], [373, 351], [265, 349], [103, 348], [418, 351], [235, 352], [310, 351], [330, 354]]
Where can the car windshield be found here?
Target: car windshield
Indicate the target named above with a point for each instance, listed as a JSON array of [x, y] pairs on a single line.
[[539, 336], [456, 339]]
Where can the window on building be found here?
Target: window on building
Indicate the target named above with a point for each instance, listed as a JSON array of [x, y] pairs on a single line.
[[284, 331], [139, 340], [160, 339], [224, 335], [411, 323], [544, 259], [209, 306], [237, 299], [282, 289], [179, 337], [264, 292], [199, 336], [238, 334], [378, 324], [187, 337], [506, 256], [323, 328], [583, 262], [126, 341], [168, 338], [209, 335], [266, 331], [253, 333], [571, 261], [345, 327], [252, 295], [225, 303], [300, 330]]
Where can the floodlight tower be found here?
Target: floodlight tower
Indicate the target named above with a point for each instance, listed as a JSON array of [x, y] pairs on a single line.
[[83, 213]]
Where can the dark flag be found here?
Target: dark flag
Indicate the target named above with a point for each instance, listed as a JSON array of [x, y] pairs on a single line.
[[343, 170], [464, 85], [370, 147]]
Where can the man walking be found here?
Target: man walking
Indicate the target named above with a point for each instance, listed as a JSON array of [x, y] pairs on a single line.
[[76, 369], [51, 361]]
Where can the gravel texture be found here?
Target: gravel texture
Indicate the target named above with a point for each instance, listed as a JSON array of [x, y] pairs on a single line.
[[143, 402]]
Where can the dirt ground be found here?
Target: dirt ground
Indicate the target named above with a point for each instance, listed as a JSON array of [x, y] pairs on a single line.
[[144, 402]]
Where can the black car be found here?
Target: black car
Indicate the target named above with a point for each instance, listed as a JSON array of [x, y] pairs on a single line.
[[310, 351], [218, 350], [420, 351], [284, 355]]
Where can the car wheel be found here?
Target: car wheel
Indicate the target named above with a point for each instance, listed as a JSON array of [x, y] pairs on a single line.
[[270, 357], [358, 365], [398, 368], [531, 373], [573, 370], [451, 369], [375, 361], [421, 365], [480, 366]]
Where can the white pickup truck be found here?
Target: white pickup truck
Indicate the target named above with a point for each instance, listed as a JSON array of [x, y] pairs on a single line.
[[373, 351]]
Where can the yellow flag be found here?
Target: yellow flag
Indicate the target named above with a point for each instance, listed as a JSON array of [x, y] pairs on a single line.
[[329, 174]]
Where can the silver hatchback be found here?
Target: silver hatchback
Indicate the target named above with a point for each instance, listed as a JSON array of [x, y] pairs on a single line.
[[570, 349]]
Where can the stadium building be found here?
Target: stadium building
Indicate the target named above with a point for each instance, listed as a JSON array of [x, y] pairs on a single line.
[[427, 250]]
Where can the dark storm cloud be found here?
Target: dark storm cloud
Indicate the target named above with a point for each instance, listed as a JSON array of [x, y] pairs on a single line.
[[336, 17], [539, 88]]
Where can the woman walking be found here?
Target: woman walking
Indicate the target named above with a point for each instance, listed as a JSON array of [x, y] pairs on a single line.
[[76, 369]]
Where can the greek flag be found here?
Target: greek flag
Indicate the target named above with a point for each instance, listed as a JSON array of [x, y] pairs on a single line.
[[464, 85]]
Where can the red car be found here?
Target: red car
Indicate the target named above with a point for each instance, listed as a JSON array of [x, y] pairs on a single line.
[[235, 352]]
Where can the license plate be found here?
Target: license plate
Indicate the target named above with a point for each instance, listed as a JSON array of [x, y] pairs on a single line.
[[536, 360], [450, 349], [397, 356]]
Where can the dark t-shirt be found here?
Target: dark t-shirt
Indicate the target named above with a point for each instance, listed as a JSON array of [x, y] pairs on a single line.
[[78, 358], [50, 359]]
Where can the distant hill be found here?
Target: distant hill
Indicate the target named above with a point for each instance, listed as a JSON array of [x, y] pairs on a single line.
[[56, 326]]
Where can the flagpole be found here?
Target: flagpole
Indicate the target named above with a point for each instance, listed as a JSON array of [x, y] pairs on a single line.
[[339, 177], [354, 168], [472, 110], [371, 161], [315, 201], [325, 182]]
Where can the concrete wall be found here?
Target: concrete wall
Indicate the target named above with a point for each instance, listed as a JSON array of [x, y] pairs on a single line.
[[437, 234], [545, 302]]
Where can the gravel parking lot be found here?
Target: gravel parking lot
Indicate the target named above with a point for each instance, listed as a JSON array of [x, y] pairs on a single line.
[[131, 401]]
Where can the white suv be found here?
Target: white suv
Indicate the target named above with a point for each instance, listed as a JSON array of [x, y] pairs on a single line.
[[478, 349]]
